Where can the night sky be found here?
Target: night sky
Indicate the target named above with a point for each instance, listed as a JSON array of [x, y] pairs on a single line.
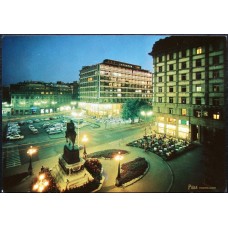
[[52, 58]]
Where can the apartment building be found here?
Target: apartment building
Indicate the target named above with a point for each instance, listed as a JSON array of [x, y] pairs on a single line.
[[35, 97], [189, 86], [104, 87]]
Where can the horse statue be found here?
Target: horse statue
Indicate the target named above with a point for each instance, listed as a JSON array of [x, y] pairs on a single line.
[[70, 132]]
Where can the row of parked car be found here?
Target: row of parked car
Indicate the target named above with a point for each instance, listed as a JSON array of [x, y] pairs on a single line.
[[13, 131], [55, 128]]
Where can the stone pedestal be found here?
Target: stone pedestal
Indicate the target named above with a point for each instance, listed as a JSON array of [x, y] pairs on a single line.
[[71, 155], [70, 171]]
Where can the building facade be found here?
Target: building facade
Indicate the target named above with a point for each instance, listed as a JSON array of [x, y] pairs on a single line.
[[40, 97], [189, 86], [104, 87]]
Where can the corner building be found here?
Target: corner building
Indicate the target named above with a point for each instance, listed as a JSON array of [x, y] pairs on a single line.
[[105, 86], [189, 86]]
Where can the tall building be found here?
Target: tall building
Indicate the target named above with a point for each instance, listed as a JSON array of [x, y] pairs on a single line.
[[189, 75], [40, 97], [105, 86], [189, 97]]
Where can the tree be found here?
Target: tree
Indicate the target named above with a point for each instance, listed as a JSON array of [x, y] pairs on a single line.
[[132, 108]]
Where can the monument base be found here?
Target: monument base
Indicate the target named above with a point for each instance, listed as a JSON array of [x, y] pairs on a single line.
[[70, 171]]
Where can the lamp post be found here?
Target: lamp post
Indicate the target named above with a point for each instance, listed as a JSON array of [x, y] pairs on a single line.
[[118, 158], [84, 140], [41, 184], [30, 152]]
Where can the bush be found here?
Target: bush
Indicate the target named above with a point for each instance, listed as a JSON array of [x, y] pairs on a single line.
[[94, 166], [133, 169], [111, 153]]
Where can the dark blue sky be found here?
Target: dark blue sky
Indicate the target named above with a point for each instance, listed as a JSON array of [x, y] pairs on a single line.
[[52, 58]]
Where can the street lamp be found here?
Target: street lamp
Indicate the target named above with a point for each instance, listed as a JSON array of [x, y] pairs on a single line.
[[77, 115], [146, 114], [84, 140], [30, 152], [41, 184], [118, 158]]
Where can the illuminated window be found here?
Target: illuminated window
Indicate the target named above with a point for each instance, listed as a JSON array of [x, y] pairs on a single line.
[[90, 79], [199, 50], [42, 92], [119, 95], [47, 92], [215, 88], [216, 116], [51, 92], [198, 88], [183, 112], [198, 113]]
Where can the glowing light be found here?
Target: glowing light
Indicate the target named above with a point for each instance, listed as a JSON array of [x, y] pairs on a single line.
[[118, 157], [85, 139]]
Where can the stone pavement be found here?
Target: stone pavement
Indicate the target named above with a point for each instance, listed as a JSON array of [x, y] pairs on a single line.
[[173, 176]]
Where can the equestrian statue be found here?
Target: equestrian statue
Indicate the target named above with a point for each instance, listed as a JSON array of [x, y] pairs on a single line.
[[70, 133]]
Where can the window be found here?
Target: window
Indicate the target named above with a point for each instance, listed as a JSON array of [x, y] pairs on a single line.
[[171, 67], [160, 89], [183, 54], [199, 50], [171, 78], [171, 56], [183, 112], [159, 99], [198, 100], [215, 88], [198, 75], [159, 109], [215, 47], [159, 79], [183, 77], [170, 99], [215, 60], [198, 63], [205, 113], [183, 65], [183, 100], [160, 69], [215, 74], [198, 113], [216, 116], [198, 88], [160, 59], [170, 110], [183, 89], [171, 89], [215, 101]]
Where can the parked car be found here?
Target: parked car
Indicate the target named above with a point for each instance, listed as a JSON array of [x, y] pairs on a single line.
[[34, 131], [54, 132], [14, 137]]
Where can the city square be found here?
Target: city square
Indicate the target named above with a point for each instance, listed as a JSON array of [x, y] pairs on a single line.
[[118, 127]]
